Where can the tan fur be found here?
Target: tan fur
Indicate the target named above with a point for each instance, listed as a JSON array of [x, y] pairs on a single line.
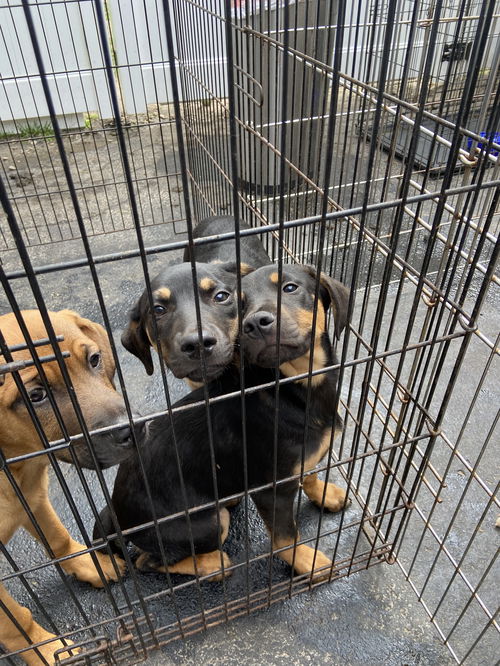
[[245, 269], [335, 497], [207, 284], [207, 564], [193, 385], [302, 558], [164, 346], [274, 278], [163, 292], [300, 365], [18, 436], [311, 462]]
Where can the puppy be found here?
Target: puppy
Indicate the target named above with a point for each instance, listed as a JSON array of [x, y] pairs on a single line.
[[174, 307], [91, 369], [185, 461]]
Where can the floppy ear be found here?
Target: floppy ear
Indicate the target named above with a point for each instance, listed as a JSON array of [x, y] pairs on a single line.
[[98, 334], [134, 337], [335, 295]]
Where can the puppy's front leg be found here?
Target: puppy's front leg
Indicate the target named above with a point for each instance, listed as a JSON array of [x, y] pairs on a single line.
[[12, 633], [62, 544], [304, 559]]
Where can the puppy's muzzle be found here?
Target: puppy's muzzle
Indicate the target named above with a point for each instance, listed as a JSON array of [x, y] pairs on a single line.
[[105, 449]]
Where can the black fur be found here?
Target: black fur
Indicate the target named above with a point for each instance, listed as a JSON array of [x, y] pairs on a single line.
[[178, 340], [130, 499], [252, 251]]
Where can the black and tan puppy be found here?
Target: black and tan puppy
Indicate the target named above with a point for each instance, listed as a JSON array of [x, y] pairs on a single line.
[[195, 472], [174, 306], [91, 368]]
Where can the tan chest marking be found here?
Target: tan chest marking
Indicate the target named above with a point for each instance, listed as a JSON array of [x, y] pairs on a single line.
[[300, 366]]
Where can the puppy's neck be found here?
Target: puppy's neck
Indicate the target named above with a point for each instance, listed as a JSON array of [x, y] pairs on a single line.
[[301, 365]]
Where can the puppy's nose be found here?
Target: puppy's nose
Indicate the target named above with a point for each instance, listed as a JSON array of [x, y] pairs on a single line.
[[258, 324], [122, 435], [191, 346]]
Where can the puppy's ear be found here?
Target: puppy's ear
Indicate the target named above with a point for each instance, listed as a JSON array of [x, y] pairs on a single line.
[[335, 295], [98, 334], [134, 337]]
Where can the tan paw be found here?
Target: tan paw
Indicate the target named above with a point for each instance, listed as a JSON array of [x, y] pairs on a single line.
[[210, 562], [84, 569], [303, 557], [335, 498], [45, 653]]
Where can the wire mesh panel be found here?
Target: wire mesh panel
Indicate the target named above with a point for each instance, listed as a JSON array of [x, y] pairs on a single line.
[[359, 142], [70, 52]]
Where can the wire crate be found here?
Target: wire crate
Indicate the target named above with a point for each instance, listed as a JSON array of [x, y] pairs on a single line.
[[361, 138]]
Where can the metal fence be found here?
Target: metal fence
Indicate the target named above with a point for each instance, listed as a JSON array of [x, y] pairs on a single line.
[[361, 138]]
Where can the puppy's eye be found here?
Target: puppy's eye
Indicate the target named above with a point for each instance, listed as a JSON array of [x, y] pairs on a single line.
[[95, 360], [289, 287], [159, 309], [221, 296], [37, 394]]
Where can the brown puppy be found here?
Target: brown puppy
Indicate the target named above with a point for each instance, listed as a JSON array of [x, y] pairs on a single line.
[[91, 369]]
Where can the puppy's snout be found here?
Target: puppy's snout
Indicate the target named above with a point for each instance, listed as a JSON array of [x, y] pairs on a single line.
[[122, 435], [259, 324], [192, 346]]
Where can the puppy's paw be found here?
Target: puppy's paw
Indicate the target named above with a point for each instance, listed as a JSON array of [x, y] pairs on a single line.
[[211, 562], [84, 569], [306, 557], [45, 654], [335, 498], [306, 560]]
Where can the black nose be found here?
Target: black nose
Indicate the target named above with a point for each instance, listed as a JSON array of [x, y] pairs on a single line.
[[122, 435], [259, 323], [190, 345]]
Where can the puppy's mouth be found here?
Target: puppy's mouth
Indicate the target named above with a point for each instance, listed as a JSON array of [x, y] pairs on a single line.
[[212, 372], [215, 364], [265, 354]]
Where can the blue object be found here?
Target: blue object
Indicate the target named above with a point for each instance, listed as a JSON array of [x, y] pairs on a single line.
[[486, 135]]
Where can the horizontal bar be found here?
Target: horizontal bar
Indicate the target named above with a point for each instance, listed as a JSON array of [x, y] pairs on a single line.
[[15, 366], [36, 343]]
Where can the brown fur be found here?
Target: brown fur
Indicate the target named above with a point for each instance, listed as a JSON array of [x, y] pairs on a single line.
[[299, 366], [96, 394]]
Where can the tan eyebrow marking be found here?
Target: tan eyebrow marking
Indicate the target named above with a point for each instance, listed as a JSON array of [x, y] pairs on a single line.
[[163, 292], [274, 278], [207, 283]]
